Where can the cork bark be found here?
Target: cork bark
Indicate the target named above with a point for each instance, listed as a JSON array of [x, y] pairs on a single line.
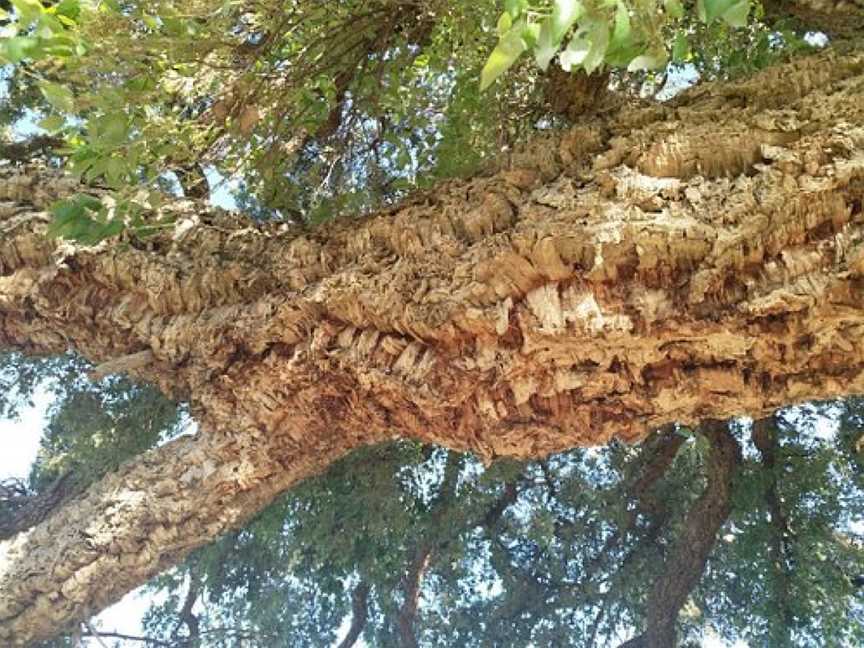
[[700, 259]]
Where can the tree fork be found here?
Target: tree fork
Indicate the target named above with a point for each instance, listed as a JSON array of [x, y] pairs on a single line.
[[700, 259]]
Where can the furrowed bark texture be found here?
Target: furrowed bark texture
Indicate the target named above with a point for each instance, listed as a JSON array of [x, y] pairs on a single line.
[[664, 263]]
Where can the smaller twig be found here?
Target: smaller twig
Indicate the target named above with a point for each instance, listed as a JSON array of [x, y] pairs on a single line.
[[92, 633]]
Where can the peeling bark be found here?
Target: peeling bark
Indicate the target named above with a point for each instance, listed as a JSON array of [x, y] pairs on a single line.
[[139, 520], [695, 260]]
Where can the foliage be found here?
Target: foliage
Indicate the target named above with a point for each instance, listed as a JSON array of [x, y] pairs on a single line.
[[90, 428], [317, 109]]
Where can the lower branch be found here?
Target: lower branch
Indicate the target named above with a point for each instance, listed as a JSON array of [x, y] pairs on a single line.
[[765, 438], [411, 589], [359, 614], [136, 522], [25, 510], [686, 561]]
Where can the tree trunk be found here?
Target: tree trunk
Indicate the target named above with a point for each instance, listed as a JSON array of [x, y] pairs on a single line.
[[684, 565], [765, 437], [663, 263], [359, 614]]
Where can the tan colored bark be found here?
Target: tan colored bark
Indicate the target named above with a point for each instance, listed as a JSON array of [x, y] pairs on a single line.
[[664, 263]]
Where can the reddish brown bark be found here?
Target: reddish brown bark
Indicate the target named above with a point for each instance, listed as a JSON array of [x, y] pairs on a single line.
[[663, 263]]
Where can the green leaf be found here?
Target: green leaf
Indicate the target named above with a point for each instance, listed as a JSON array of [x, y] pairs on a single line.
[[732, 12], [564, 14], [622, 44], [115, 171], [515, 7], [546, 46], [509, 48], [680, 48], [530, 33], [505, 22], [599, 36], [82, 218], [622, 32], [574, 55], [90, 202], [60, 97], [17, 48], [69, 8], [111, 129], [653, 61], [52, 123], [737, 14], [28, 11], [674, 8], [59, 45]]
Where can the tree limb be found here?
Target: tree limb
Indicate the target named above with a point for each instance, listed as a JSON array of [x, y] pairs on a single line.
[[765, 437], [359, 614], [686, 560]]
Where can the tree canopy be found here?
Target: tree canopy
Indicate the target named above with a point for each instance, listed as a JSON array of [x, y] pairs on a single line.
[[454, 119]]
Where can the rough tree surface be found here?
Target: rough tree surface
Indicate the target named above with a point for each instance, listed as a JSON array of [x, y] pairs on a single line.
[[700, 259]]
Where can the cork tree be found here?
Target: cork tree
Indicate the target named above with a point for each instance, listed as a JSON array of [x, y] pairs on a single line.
[[486, 231]]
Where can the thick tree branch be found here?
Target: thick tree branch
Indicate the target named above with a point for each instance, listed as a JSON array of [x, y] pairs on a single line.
[[359, 614], [135, 522], [669, 263], [683, 567]]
